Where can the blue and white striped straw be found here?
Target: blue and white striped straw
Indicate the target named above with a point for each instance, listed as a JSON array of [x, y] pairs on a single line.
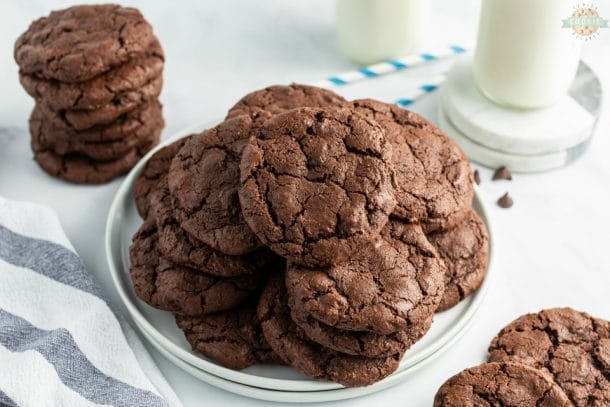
[[393, 65], [430, 86]]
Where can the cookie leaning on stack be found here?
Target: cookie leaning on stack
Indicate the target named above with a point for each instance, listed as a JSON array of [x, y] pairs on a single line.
[[95, 73], [368, 212]]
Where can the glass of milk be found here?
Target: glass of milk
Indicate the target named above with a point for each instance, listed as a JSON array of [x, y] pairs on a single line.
[[524, 58], [370, 31]]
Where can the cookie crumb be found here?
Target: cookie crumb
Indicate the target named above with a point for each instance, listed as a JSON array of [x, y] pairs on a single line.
[[502, 173], [505, 201], [477, 177]]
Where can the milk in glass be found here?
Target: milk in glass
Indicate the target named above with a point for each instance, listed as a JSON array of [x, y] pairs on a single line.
[[524, 58], [375, 30]]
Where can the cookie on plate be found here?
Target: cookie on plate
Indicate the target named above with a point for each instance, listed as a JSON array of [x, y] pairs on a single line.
[[264, 103], [155, 169], [500, 384], [391, 284], [178, 246], [178, 289], [362, 343], [81, 42], [204, 180], [315, 184], [306, 356], [434, 182], [464, 250], [232, 338], [570, 346]]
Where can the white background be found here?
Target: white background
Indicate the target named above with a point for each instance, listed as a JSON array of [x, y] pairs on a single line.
[[553, 246]]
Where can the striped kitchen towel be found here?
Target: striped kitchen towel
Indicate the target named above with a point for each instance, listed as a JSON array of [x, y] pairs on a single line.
[[60, 343]]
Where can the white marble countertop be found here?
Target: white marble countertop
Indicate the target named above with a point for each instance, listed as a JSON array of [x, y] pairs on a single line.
[[552, 246]]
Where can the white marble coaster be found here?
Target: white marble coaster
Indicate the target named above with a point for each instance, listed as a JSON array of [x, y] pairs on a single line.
[[515, 162], [514, 131]]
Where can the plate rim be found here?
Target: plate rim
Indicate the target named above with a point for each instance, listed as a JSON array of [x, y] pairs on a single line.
[[283, 396], [112, 238]]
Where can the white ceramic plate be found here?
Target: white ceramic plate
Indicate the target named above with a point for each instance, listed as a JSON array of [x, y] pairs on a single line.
[[292, 396], [158, 326]]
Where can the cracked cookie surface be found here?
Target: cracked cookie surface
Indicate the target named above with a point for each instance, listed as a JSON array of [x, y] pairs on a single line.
[[434, 182], [391, 284], [204, 180], [179, 246], [232, 338], [47, 134], [113, 112], [465, 251], [80, 42], [155, 169], [264, 103], [80, 169], [306, 356], [179, 289], [136, 80], [134, 124], [315, 186], [571, 346], [500, 384], [361, 343]]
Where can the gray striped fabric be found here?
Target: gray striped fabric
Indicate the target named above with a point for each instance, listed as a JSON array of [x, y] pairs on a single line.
[[6, 401], [48, 258], [71, 365], [99, 371]]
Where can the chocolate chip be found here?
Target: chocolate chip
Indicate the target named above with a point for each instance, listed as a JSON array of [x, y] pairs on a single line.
[[505, 201], [502, 173], [477, 177]]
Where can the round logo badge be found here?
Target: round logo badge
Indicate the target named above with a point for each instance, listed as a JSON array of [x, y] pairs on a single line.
[[585, 22]]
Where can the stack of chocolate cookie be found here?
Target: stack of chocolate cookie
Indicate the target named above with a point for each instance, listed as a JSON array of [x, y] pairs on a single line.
[[95, 73], [356, 214], [193, 257]]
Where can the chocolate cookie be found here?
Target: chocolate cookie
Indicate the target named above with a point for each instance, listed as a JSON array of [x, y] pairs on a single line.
[[308, 357], [136, 80], [361, 343], [315, 185], [179, 247], [434, 183], [204, 179], [391, 284], [156, 168], [264, 103], [179, 289], [80, 169], [63, 136], [148, 133], [232, 338], [465, 250], [117, 110], [81, 42], [500, 384], [571, 346]]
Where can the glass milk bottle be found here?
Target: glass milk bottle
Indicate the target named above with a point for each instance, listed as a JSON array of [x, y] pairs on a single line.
[[524, 58], [375, 30]]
